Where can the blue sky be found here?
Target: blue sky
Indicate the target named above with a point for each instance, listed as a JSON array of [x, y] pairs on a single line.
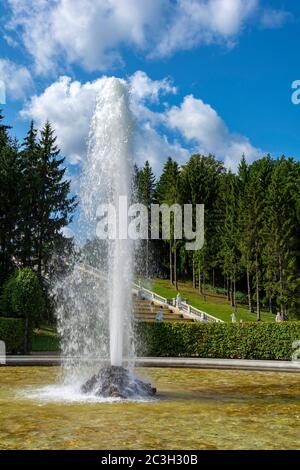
[[231, 62]]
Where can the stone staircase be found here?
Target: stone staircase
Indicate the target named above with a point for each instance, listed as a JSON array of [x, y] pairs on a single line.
[[146, 311], [146, 303]]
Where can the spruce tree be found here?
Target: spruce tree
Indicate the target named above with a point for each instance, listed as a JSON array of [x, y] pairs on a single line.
[[200, 184], [230, 234], [54, 206], [280, 228], [246, 234], [168, 192], [9, 199], [29, 158]]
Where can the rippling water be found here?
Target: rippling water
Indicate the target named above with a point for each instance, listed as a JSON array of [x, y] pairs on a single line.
[[195, 409]]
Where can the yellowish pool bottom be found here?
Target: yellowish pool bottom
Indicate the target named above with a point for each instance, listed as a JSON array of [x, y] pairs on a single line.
[[196, 409]]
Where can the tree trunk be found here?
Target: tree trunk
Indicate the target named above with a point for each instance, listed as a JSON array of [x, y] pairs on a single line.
[[228, 290], [175, 267], [231, 292], [200, 284], [249, 291], [270, 304], [213, 279], [194, 277], [203, 291], [258, 303], [171, 262], [258, 316], [147, 258], [234, 295]]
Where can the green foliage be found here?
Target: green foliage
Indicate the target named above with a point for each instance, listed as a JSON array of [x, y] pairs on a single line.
[[144, 193], [241, 298], [35, 201], [145, 185], [9, 199], [252, 236], [265, 341], [12, 333], [6, 307], [23, 296], [168, 192]]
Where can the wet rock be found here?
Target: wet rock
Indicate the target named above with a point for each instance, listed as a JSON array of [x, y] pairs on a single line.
[[117, 382]]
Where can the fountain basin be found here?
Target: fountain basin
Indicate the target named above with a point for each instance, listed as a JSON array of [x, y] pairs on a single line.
[[194, 409]]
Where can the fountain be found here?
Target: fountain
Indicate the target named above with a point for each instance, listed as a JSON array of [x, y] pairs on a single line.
[[95, 310]]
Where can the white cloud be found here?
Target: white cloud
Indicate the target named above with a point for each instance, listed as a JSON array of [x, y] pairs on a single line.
[[69, 106], [143, 87], [17, 79], [200, 124], [92, 33], [271, 19], [177, 131], [154, 146], [86, 32], [204, 22]]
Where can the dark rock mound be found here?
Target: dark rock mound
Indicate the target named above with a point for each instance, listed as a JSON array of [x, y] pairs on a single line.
[[117, 382]]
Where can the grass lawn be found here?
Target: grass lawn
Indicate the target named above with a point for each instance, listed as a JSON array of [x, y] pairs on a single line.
[[215, 305]]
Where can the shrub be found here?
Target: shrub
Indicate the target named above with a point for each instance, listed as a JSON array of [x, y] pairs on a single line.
[[271, 341], [220, 291], [241, 298], [12, 333], [23, 297], [43, 343]]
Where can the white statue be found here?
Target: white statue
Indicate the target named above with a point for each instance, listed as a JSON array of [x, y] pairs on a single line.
[[178, 301], [160, 315], [233, 318]]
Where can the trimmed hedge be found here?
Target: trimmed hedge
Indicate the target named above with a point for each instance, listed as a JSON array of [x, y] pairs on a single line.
[[12, 333], [44, 343], [218, 340]]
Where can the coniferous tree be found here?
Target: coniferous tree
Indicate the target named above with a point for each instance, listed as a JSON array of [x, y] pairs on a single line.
[[29, 157], [246, 235], [9, 199], [280, 227], [230, 235], [259, 179], [200, 181], [146, 185], [168, 192], [54, 206]]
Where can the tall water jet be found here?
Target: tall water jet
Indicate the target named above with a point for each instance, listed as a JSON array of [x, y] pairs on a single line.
[[108, 181], [95, 318]]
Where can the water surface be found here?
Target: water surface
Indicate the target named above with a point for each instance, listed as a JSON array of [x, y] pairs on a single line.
[[195, 409]]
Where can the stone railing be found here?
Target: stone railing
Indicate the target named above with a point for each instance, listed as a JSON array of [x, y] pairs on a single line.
[[196, 314], [188, 310]]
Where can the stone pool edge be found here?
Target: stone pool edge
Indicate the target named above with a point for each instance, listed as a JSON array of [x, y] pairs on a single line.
[[48, 359]]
